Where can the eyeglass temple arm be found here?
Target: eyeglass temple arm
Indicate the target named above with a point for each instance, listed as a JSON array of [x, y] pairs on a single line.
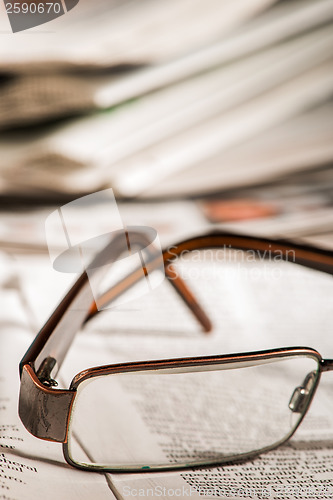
[[304, 255], [51, 345], [190, 300], [173, 278]]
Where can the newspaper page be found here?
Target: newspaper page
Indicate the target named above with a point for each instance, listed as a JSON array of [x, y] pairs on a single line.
[[159, 326], [30, 468]]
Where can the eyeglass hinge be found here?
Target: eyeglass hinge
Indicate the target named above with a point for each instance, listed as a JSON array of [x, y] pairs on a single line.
[[44, 411], [326, 365], [45, 370]]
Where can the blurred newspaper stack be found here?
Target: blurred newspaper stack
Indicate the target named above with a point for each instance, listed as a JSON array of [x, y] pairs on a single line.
[[163, 99]]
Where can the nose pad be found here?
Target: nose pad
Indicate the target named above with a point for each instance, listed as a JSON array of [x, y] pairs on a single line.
[[301, 395]]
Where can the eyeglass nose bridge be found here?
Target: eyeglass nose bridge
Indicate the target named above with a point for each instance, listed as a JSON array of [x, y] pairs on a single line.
[[302, 394]]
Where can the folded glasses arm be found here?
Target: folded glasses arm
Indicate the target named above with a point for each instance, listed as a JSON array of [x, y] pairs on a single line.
[[304, 255], [176, 282], [307, 256], [50, 347]]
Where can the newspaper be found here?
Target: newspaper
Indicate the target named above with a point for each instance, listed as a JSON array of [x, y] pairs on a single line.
[[31, 468], [300, 144], [114, 33], [54, 94], [138, 145]]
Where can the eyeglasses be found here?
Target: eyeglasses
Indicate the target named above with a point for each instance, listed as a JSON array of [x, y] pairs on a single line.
[[184, 412]]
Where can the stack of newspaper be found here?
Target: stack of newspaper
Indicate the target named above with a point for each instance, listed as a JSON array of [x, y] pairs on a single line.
[[161, 99]]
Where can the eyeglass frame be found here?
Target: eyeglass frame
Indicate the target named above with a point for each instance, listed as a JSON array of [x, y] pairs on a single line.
[[46, 412]]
